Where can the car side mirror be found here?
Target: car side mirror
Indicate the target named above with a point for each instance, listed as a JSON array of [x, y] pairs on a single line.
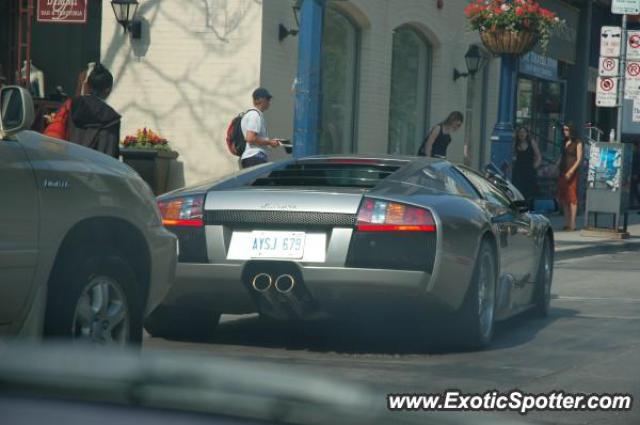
[[16, 110], [521, 205]]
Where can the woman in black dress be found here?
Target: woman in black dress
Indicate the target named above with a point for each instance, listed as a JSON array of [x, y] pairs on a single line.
[[435, 145], [526, 160]]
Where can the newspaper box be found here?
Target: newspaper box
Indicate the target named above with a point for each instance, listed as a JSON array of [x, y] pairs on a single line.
[[608, 185]]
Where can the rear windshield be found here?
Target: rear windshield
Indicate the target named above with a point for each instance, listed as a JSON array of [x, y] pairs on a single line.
[[329, 174]]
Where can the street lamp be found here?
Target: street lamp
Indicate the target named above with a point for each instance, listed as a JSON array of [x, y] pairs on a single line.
[[125, 11], [472, 58]]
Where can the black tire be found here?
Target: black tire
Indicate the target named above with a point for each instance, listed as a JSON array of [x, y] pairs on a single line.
[[544, 278], [74, 285], [182, 323], [476, 324]]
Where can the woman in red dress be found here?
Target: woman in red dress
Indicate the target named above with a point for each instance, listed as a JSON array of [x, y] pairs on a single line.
[[568, 167]]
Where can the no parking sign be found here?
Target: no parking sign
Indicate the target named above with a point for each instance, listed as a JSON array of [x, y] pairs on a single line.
[[607, 92], [633, 45], [608, 67], [632, 80]]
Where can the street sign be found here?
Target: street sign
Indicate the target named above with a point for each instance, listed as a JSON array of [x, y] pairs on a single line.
[[625, 7], [633, 45], [607, 92], [610, 41], [632, 80], [608, 67]]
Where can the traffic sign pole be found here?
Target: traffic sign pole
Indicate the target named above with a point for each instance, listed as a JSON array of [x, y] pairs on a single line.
[[622, 73]]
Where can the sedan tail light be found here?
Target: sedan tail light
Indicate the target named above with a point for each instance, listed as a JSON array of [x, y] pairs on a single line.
[[384, 216], [183, 211]]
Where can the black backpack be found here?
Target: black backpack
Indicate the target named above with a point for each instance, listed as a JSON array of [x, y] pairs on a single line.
[[235, 139]]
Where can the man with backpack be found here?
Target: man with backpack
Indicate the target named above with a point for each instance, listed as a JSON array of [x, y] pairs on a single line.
[[254, 131]]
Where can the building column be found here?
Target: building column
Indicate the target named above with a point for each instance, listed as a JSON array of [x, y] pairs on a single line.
[[502, 137], [306, 122]]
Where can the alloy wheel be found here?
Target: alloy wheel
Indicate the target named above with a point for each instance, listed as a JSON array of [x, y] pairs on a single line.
[[102, 315]]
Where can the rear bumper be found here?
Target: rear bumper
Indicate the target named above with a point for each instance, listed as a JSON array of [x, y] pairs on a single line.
[[221, 287]]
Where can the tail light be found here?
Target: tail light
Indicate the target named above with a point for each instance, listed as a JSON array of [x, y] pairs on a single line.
[[183, 211], [384, 216]]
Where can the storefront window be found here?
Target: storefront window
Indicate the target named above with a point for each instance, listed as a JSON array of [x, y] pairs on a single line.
[[540, 109], [409, 81], [339, 83]]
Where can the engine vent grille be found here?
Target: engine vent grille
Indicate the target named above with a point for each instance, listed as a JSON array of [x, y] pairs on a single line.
[[250, 217]]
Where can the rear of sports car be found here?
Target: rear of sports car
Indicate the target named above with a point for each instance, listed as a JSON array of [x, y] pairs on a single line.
[[306, 239]]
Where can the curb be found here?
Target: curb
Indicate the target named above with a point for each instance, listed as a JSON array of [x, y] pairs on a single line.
[[606, 248]]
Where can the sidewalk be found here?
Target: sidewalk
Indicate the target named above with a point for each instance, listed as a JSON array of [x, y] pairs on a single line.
[[573, 244]]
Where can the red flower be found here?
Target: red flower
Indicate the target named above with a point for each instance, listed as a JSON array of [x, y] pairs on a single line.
[[519, 11]]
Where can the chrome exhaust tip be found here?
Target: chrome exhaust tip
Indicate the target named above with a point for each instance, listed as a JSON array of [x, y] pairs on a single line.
[[262, 282], [285, 283]]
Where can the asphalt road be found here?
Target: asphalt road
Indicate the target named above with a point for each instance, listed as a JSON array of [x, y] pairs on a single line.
[[589, 344]]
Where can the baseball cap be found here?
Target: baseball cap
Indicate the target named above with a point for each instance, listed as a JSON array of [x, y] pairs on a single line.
[[261, 93]]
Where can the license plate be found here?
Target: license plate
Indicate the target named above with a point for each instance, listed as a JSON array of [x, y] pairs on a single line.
[[277, 244]]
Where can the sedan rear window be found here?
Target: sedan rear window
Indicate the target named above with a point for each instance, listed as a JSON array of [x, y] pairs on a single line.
[[360, 174]]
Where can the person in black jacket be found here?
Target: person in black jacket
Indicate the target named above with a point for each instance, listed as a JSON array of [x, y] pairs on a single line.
[[93, 123]]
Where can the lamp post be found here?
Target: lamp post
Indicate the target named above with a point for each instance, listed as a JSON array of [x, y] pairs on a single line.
[[306, 124], [502, 136]]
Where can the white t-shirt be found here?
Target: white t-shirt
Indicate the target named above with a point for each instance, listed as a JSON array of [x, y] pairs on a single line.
[[253, 120]]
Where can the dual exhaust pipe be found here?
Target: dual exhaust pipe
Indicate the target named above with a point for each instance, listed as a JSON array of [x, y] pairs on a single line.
[[284, 283]]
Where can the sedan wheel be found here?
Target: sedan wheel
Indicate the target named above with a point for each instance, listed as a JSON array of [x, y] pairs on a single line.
[[102, 314], [94, 299]]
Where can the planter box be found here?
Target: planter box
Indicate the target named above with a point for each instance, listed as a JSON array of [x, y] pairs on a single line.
[[152, 165]]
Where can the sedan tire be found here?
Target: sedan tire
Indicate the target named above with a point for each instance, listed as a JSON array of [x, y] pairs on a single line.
[[95, 300]]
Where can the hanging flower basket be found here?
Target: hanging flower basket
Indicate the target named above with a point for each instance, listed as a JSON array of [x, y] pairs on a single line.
[[512, 27], [501, 41]]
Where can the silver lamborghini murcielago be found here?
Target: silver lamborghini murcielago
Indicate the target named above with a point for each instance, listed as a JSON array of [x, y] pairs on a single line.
[[338, 236]]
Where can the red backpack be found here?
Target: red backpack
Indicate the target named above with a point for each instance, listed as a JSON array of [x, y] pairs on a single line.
[[58, 127], [235, 139]]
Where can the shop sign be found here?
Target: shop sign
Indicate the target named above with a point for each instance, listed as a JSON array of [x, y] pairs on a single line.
[[610, 41], [62, 11], [539, 66], [607, 92], [625, 7], [608, 67], [633, 45]]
